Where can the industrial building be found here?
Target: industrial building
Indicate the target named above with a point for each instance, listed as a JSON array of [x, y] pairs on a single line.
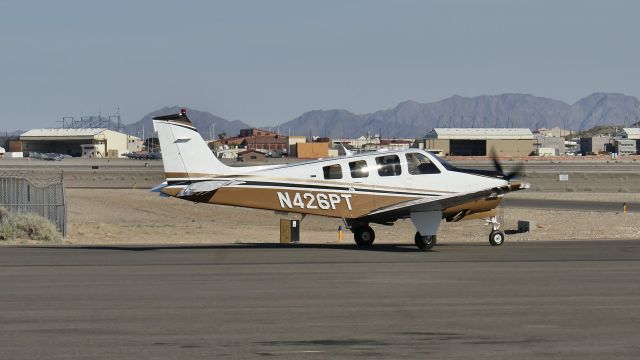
[[626, 147], [267, 141], [595, 145], [252, 155], [292, 142], [629, 133], [312, 150], [629, 141], [88, 142], [480, 141], [556, 144]]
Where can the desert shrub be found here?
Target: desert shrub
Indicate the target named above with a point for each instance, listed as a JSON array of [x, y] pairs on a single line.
[[27, 226], [3, 213]]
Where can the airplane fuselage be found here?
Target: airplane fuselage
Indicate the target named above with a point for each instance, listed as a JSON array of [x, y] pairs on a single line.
[[347, 187]]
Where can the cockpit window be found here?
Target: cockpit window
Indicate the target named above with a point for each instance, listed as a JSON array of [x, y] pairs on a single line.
[[389, 165], [419, 164], [359, 169]]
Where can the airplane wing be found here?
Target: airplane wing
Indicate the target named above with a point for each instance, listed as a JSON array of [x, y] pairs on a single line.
[[442, 202]]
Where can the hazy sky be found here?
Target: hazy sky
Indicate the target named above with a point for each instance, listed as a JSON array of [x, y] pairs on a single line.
[[266, 62]]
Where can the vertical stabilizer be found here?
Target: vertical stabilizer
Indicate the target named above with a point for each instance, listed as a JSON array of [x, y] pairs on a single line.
[[185, 154]]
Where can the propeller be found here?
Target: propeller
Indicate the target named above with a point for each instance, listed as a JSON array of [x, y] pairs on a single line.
[[516, 171]]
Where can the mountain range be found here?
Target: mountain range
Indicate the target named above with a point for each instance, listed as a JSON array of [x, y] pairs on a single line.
[[205, 122], [412, 119]]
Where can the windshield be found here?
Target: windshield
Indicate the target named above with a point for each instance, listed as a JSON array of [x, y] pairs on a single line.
[[444, 162]]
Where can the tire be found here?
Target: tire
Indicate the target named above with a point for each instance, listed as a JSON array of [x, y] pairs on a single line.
[[496, 238], [425, 242], [364, 236]]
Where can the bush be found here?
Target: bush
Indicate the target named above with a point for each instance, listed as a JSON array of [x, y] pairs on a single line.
[[27, 226]]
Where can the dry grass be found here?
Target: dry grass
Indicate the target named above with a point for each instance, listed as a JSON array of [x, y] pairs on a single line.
[[20, 227], [139, 216]]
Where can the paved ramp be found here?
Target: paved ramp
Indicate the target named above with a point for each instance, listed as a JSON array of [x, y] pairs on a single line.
[[574, 300]]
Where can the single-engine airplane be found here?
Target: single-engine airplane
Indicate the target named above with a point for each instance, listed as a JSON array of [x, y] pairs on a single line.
[[377, 187]]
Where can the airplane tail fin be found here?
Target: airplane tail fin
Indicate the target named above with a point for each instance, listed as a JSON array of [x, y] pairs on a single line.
[[185, 154]]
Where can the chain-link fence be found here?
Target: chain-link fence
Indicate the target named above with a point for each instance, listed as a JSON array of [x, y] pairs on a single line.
[[40, 192]]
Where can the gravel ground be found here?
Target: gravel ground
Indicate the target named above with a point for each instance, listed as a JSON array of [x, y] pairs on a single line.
[[103, 216]]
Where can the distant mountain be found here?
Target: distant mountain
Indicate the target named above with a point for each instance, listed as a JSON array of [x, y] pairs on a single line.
[[201, 119], [12, 133], [603, 109], [413, 119]]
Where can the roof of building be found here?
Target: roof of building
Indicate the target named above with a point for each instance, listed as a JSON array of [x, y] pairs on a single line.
[[63, 132], [480, 133], [632, 133], [253, 151]]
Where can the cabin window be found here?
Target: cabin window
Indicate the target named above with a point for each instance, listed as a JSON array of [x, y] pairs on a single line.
[[359, 169], [388, 165], [332, 171], [419, 164]]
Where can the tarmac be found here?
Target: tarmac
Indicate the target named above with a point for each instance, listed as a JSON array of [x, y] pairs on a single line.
[[561, 300]]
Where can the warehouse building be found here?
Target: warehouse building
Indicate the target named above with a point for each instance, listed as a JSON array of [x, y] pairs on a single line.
[[629, 133], [101, 143], [480, 141]]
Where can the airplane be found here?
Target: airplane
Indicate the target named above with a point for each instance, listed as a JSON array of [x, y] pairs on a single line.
[[364, 189]]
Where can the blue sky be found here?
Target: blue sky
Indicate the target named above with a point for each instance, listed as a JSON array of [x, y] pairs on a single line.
[[266, 62]]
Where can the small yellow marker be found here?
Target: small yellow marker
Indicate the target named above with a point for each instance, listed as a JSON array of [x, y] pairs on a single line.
[[624, 207]]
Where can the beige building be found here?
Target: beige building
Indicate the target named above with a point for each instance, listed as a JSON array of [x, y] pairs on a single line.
[[134, 144], [312, 150], [292, 142], [99, 142], [480, 141]]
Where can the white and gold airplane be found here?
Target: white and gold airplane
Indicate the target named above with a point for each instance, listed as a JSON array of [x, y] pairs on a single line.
[[378, 187]]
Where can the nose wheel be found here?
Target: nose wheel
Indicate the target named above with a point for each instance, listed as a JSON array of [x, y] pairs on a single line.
[[497, 236]]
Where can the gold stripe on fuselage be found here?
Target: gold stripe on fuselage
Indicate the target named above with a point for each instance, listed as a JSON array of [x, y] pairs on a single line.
[[340, 204]]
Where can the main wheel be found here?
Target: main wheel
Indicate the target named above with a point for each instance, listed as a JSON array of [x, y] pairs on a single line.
[[496, 238], [364, 236], [425, 242]]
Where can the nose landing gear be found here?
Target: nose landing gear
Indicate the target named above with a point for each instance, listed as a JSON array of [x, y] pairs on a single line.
[[496, 237]]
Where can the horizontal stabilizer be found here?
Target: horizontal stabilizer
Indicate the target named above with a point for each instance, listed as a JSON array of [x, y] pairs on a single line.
[[203, 187]]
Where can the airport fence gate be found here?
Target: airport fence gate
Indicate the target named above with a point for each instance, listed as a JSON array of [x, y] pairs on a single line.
[[40, 192]]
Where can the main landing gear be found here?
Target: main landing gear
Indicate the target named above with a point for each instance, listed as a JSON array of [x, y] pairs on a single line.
[[496, 237], [364, 235], [425, 242]]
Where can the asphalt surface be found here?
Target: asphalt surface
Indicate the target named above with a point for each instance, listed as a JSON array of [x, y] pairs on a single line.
[[569, 300], [571, 205]]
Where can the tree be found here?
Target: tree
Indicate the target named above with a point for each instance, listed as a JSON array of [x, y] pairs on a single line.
[[222, 135]]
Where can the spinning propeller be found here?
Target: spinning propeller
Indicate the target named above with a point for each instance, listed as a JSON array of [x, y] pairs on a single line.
[[517, 170]]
